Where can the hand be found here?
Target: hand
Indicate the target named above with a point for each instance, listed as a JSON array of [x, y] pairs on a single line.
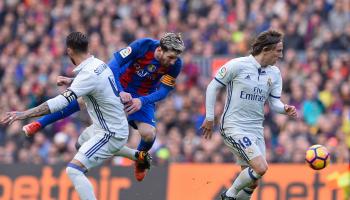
[[10, 117], [291, 111], [62, 80], [207, 128], [125, 97], [132, 106]]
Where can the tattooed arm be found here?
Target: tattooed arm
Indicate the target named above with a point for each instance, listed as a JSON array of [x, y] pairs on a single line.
[[40, 110], [50, 106]]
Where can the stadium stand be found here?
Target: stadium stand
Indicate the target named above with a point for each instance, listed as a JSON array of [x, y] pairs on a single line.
[[315, 70]]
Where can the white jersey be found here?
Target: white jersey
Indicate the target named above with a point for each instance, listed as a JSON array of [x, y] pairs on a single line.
[[95, 83], [248, 87]]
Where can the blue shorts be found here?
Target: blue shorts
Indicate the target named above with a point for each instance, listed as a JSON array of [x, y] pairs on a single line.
[[145, 115]]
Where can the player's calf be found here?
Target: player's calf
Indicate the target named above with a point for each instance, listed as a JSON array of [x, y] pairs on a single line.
[[247, 192], [82, 185], [248, 176]]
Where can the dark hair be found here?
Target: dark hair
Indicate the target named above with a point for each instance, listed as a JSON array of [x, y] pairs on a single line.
[[172, 42], [267, 39], [78, 42]]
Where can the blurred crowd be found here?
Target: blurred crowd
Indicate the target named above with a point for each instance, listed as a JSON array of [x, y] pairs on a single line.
[[315, 70]]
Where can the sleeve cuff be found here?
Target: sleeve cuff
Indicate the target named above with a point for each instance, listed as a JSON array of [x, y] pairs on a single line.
[[144, 100], [209, 118], [219, 81]]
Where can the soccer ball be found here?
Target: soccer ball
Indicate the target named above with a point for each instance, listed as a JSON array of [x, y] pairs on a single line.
[[317, 157]]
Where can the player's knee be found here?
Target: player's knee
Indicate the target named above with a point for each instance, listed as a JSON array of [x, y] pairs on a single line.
[[259, 165], [147, 135], [261, 169]]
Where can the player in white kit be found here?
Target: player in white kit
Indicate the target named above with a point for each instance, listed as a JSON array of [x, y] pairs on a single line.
[[250, 82], [108, 134]]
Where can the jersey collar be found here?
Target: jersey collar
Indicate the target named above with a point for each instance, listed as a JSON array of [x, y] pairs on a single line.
[[255, 63], [78, 68]]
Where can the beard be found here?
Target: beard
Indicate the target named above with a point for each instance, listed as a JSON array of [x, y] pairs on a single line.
[[164, 63]]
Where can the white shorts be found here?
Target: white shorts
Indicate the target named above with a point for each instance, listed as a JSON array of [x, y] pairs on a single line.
[[97, 146], [245, 147], [86, 135]]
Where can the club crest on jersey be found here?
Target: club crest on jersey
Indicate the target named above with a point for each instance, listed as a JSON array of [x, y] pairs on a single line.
[[250, 150], [269, 81], [151, 68], [125, 52], [222, 72]]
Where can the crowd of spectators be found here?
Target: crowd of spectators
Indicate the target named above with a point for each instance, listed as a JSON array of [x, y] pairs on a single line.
[[315, 70]]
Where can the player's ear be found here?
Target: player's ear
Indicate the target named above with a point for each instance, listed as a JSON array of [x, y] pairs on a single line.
[[266, 49], [69, 51], [159, 50]]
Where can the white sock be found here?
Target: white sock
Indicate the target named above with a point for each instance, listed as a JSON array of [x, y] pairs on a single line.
[[245, 194], [244, 179], [81, 183], [127, 153]]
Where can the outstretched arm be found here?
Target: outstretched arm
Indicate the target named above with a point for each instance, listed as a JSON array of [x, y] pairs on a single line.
[[72, 107], [10, 117], [49, 106], [80, 86]]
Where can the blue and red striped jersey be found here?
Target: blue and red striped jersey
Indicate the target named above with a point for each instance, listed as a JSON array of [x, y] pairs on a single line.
[[139, 72]]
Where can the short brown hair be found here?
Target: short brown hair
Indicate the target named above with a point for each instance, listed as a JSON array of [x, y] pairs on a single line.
[[267, 39], [78, 42]]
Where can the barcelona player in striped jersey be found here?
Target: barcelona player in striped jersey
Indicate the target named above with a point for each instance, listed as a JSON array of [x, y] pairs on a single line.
[[145, 73]]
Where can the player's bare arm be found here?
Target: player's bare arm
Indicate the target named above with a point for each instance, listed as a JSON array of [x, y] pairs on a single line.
[[10, 117], [62, 80]]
